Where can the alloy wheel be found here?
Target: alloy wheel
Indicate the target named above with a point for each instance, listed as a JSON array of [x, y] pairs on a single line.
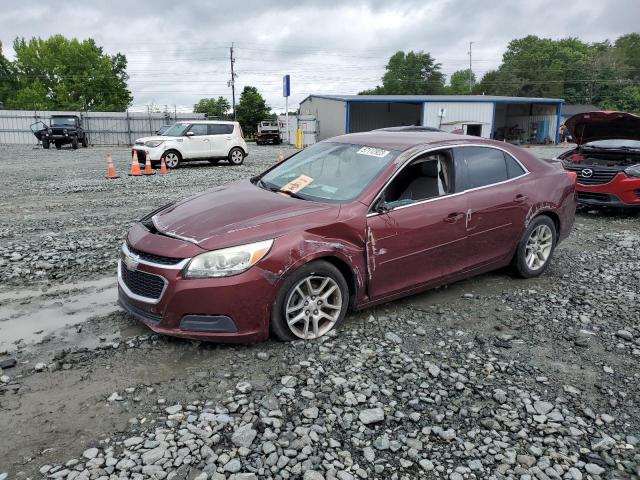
[[236, 157], [313, 306], [538, 247], [172, 160]]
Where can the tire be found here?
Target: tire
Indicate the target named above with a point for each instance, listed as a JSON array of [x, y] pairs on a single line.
[[58, 145], [45, 144], [535, 248], [85, 141], [295, 291], [236, 156], [74, 143], [172, 158]]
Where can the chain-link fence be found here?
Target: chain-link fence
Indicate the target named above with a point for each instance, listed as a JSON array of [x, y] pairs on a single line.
[[103, 128]]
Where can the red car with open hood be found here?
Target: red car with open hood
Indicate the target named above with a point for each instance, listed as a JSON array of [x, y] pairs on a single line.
[[607, 158], [350, 222]]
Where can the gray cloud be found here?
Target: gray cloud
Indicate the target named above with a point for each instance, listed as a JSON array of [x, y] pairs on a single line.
[[178, 51]]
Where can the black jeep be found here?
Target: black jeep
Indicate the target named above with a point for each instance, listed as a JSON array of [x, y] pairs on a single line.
[[61, 130]]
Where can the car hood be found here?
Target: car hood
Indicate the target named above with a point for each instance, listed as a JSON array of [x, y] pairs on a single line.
[[239, 213], [591, 126]]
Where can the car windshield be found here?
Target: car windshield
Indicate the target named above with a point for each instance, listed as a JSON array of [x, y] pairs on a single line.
[[614, 143], [176, 130], [334, 172], [63, 121]]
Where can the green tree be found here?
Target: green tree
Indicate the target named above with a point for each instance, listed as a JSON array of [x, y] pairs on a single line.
[[8, 83], [413, 73], [459, 82], [251, 109], [212, 107], [63, 74]]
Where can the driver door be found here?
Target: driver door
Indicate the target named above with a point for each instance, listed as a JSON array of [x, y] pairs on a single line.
[[197, 145], [417, 236]]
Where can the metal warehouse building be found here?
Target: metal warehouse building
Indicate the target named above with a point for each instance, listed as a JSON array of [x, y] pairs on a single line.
[[514, 119]]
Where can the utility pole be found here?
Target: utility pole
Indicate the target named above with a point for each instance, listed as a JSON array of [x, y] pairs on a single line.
[[470, 66], [232, 82]]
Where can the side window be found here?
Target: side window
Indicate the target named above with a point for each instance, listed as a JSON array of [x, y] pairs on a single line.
[[428, 176], [513, 168], [220, 129], [485, 166], [198, 129]]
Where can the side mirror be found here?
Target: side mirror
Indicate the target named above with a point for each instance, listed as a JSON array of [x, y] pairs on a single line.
[[190, 134], [381, 207]]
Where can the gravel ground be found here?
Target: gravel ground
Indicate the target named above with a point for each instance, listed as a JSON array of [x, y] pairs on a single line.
[[492, 377]]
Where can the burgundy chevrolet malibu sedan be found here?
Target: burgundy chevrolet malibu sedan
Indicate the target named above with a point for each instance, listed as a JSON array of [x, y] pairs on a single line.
[[347, 223]]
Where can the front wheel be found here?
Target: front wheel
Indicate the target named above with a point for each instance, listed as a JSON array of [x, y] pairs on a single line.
[[45, 144], [172, 159], [310, 303], [58, 145], [236, 156], [74, 143], [536, 247]]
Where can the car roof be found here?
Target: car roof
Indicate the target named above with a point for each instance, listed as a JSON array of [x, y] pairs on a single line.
[[404, 140]]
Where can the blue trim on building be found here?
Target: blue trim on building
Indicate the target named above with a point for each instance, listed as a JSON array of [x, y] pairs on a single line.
[[347, 126], [383, 99], [558, 119]]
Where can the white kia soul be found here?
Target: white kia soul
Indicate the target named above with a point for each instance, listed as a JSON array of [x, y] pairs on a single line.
[[194, 140]]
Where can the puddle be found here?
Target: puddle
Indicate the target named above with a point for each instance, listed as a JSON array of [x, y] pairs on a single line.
[[28, 316]]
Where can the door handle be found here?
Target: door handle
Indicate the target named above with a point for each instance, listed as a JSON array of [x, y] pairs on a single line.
[[453, 217], [206, 139], [228, 138], [520, 198]]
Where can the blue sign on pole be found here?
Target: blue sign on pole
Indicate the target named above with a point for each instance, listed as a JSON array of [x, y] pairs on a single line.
[[286, 86]]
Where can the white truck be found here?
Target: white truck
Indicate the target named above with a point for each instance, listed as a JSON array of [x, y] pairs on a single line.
[[268, 132]]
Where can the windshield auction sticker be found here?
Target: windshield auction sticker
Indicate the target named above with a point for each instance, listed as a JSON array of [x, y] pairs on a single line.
[[373, 152], [298, 184]]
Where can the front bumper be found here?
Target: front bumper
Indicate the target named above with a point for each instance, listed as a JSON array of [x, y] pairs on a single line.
[[154, 154], [622, 191], [228, 309]]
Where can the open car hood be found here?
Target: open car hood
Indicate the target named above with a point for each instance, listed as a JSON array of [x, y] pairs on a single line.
[[591, 126]]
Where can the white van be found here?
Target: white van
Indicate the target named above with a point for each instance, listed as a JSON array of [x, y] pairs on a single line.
[[211, 140]]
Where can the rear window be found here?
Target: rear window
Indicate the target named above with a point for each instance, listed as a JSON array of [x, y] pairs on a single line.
[[220, 128], [514, 169]]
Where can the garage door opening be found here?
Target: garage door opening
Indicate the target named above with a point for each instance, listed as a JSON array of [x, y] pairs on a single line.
[[520, 123], [365, 116]]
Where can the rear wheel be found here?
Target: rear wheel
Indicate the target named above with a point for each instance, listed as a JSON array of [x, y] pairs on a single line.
[[236, 156], [172, 158], [85, 141], [535, 248], [45, 144], [310, 303]]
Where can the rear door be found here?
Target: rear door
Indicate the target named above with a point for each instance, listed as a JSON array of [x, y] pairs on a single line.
[[496, 204], [198, 145], [221, 138]]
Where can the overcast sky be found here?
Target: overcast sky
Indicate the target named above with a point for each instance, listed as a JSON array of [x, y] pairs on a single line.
[[178, 52]]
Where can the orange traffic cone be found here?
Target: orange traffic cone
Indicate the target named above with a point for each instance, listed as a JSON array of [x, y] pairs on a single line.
[[135, 166], [147, 167], [111, 169], [281, 156], [163, 167]]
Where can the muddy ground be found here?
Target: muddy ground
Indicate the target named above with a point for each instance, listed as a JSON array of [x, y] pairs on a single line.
[[61, 227]]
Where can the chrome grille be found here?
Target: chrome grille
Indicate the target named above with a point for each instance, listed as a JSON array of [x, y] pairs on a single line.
[[590, 175], [142, 283], [150, 257]]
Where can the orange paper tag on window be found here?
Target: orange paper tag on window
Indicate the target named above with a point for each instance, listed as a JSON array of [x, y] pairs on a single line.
[[298, 184]]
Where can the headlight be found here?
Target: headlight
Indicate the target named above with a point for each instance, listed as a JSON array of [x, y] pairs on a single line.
[[227, 261], [154, 143], [64, 131], [49, 131], [633, 171]]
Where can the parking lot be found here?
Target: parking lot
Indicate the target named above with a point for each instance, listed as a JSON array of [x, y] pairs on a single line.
[[489, 376]]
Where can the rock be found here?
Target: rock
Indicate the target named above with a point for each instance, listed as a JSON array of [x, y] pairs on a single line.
[[172, 410], [625, 335], [244, 435], [447, 435], [244, 387], [372, 415], [311, 413], [392, 337], [39, 367], [201, 476], [426, 465], [233, 466], [90, 453], [593, 469], [543, 407], [262, 356], [369, 454], [114, 397], [152, 456], [132, 441], [312, 475], [289, 381]]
